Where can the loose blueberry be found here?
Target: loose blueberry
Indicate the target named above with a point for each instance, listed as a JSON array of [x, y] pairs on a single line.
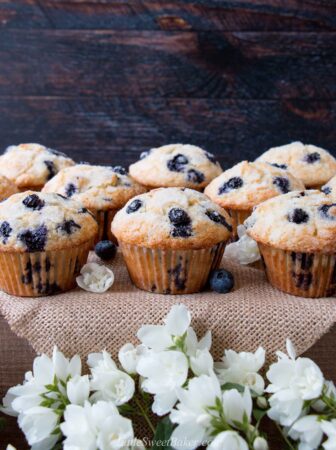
[[326, 190], [279, 166], [325, 211], [51, 169], [282, 184], [218, 218], [5, 231], [231, 184], [70, 190], [195, 176], [134, 206], [34, 239], [177, 164], [221, 281], [106, 250], [178, 216], [68, 227], [34, 202], [311, 158], [120, 170], [298, 216]]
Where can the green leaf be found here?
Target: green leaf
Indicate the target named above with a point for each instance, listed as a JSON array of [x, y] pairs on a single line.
[[258, 414], [163, 432], [228, 386]]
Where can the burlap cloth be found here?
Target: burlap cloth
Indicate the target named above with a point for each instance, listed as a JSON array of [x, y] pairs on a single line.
[[253, 314]]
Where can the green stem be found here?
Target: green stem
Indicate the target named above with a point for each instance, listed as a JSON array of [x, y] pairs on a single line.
[[290, 446], [144, 413]]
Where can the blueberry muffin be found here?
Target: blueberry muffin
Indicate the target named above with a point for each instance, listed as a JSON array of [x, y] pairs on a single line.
[[171, 238], [330, 187], [176, 165], [30, 166], [314, 166], [247, 184], [296, 234], [103, 190], [7, 188], [44, 242]]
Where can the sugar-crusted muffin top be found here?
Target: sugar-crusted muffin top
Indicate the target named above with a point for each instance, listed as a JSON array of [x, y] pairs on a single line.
[[96, 187], [330, 187], [7, 188], [300, 221], [172, 218], [249, 183], [313, 165], [176, 165], [34, 222], [29, 165]]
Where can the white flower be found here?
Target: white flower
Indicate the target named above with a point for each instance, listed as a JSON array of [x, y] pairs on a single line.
[[95, 426], [163, 373], [242, 368], [228, 440], [201, 362], [95, 278], [330, 391], [245, 250], [7, 401], [308, 431], [78, 389], [129, 356], [108, 382], [285, 407], [192, 412], [260, 443], [237, 406], [161, 337], [10, 447], [37, 424], [329, 428]]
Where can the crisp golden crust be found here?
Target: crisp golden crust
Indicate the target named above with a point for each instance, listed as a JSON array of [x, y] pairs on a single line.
[[174, 218], [176, 165], [249, 183], [301, 221], [34, 221], [96, 187], [30, 165], [313, 165], [7, 188]]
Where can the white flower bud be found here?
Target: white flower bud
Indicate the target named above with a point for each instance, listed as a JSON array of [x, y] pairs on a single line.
[[260, 444], [78, 389], [262, 402]]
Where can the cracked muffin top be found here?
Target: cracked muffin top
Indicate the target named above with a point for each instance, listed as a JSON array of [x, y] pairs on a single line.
[[32, 165], [172, 218], [301, 221], [7, 188], [96, 187], [313, 165], [249, 183], [34, 222], [176, 165]]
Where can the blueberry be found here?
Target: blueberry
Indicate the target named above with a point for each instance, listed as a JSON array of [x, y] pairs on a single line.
[[279, 166], [221, 281], [195, 176], [70, 189], [56, 152], [177, 163], [326, 190], [178, 216], [51, 169], [181, 231], [232, 183], [34, 239], [120, 170], [210, 157], [298, 216], [325, 211], [5, 231], [34, 202], [68, 227], [218, 218], [105, 250], [134, 206], [282, 184], [311, 158]]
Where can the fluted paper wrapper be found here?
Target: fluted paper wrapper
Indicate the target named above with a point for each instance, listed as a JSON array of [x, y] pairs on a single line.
[[303, 274], [171, 271], [42, 273], [238, 217]]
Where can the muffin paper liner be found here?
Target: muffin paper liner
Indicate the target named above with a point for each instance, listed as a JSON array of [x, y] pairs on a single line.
[[104, 219], [301, 274], [171, 271], [238, 217], [42, 273]]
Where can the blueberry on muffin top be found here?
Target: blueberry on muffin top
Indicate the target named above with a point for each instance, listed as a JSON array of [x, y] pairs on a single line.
[[29, 165], [314, 166], [96, 187], [172, 218], [36, 222], [249, 183], [176, 165], [297, 221]]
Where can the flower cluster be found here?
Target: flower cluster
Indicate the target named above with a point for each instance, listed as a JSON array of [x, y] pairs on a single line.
[[171, 373]]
